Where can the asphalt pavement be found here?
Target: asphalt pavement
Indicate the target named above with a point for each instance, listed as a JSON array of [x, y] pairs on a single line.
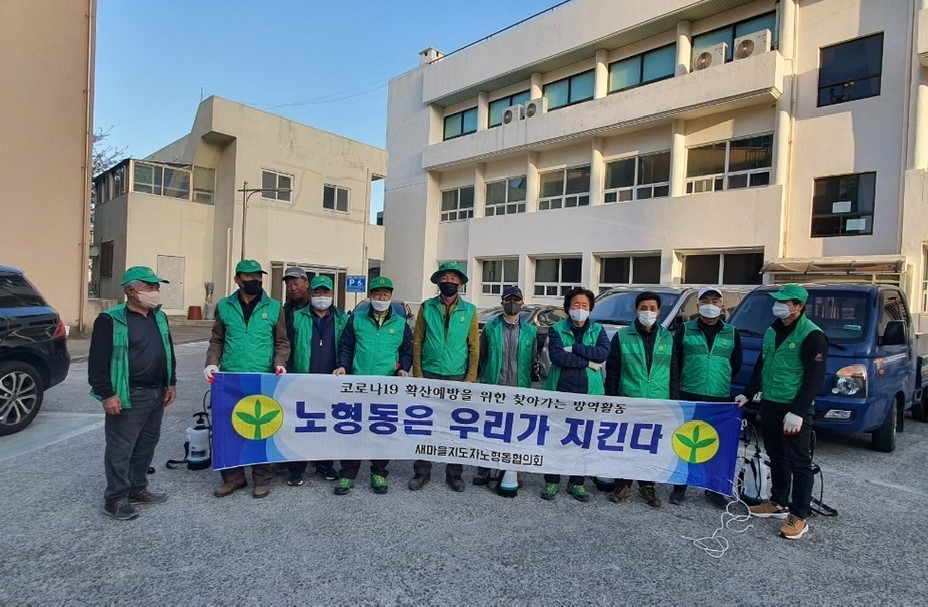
[[305, 545]]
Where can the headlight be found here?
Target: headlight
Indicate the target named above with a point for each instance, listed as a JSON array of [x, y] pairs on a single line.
[[851, 381]]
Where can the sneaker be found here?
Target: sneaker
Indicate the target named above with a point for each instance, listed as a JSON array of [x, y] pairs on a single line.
[[579, 492], [794, 527], [344, 485], [677, 496], [146, 497], [717, 499], [379, 484], [295, 481], [621, 494], [769, 510], [419, 481], [550, 491], [121, 510], [327, 471], [650, 496]]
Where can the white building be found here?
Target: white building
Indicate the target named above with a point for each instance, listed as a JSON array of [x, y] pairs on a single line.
[[180, 210], [663, 141]]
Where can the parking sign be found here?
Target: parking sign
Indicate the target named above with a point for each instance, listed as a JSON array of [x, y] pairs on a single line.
[[356, 284]]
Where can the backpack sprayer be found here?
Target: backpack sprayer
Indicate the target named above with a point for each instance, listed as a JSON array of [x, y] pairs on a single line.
[[197, 445]]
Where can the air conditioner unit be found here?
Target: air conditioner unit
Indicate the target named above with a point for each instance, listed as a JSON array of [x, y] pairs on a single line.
[[714, 55], [752, 44], [536, 106], [511, 114]]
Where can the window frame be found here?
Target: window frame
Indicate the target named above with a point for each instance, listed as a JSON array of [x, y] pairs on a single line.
[[495, 287], [460, 117], [631, 257], [582, 198], [871, 215], [269, 194], [510, 100], [508, 207], [633, 189], [445, 215], [848, 83], [733, 30], [199, 194], [641, 58], [107, 255], [570, 84], [560, 287], [725, 177], [720, 278], [336, 189]]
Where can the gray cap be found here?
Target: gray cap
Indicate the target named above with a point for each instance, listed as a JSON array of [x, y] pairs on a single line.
[[295, 272]]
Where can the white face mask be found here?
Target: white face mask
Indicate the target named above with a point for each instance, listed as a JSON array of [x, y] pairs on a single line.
[[710, 311], [647, 318], [781, 310], [579, 314], [321, 303], [149, 299], [379, 305]]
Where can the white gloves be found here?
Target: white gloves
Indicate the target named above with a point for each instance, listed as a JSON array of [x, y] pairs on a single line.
[[792, 423], [208, 372], [278, 370], [741, 400], [569, 349], [594, 366]]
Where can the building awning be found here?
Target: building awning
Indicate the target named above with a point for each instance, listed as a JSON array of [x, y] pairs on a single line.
[[873, 268]]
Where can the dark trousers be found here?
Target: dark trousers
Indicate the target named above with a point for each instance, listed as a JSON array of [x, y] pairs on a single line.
[[556, 479], [131, 438], [350, 468], [261, 474], [790, 460], [624, 482], [423, 467], [299, 468]]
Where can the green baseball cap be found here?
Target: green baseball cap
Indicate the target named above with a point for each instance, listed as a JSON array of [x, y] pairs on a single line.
[[322, 282], [791, 292], [381, 282], [248, 266], [449, 266], [142, 273]]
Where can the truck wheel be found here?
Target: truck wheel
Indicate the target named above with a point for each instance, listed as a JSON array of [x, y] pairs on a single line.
[[884, 437]]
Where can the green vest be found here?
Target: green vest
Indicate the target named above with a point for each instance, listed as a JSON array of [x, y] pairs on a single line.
[[248, 348], [493, 364], [303, 335], [782, 374], [444, 350], [119, 364], [635, 380], [704, 372], [595, 380], [377, 348]]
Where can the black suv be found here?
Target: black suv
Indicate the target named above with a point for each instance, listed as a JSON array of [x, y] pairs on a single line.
[[33, 350]]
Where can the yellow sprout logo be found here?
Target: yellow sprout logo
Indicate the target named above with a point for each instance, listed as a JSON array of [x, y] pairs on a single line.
[[257, 417], [695, 442]]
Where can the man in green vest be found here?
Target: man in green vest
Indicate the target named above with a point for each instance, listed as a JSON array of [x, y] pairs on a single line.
[[641, 365], [131, 371], [708, 353], [376, 341], [445, 345], [314, 332], [788, 374], [508, 348], [249, 336]]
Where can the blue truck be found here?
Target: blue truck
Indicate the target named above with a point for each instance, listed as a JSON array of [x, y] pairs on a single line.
[[874, 372]]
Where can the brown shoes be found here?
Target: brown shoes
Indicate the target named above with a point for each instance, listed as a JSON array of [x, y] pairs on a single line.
[[794, 527], [769, 510], [261, 490], [230, 487]]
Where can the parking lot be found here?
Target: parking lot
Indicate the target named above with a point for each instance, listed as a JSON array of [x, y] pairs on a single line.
[[306, 546]]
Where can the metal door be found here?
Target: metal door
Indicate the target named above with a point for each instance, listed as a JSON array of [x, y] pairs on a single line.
[[172, 268]]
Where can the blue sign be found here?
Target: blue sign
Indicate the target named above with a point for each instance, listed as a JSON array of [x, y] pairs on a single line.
[[356, 284]]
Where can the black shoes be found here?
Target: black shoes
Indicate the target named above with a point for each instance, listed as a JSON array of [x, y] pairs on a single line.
[[121, 510], [678, 495], [419, 481], [456, 483]]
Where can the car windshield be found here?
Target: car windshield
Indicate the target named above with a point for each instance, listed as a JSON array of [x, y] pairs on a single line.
[[842, 315], [619, 307]]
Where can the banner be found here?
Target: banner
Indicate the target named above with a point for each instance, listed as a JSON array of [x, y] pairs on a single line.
[[261, 418]]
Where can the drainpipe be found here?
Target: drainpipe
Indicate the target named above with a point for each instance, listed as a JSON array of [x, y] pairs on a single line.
[[87, 169]]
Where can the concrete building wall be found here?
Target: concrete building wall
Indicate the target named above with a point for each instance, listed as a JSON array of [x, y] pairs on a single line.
[[46, 100]]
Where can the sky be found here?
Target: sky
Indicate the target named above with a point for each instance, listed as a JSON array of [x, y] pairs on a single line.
[[323, 63]]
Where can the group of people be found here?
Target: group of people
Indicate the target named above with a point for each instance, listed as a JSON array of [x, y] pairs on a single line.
[[131, 370]]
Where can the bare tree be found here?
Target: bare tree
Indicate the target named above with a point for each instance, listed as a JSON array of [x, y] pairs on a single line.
[[103, 155]]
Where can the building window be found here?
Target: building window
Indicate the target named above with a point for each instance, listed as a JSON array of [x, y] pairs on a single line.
[[335, 198], [276, 186], [727, 34], [106, 259], [851, 70], [629, 269], [498, 274], [161, 180], [462, 264], [567, 188], [723, 268], [499, 105], [638, 178], [555, 277], [204, 184], [457, 204], [729, 165], [461, 123], [505, 197], [569, 91], [644, 68], [843, 205]]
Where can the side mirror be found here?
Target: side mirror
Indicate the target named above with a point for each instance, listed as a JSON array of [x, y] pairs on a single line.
[[893, 334]]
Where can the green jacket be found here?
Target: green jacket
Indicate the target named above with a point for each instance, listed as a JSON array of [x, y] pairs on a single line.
[[119, 364], [377, 348], [595, 380], [444, 350], [303, 335], [782, 372], [493, 364], [248, 348], [635, 380], [705, 372]]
